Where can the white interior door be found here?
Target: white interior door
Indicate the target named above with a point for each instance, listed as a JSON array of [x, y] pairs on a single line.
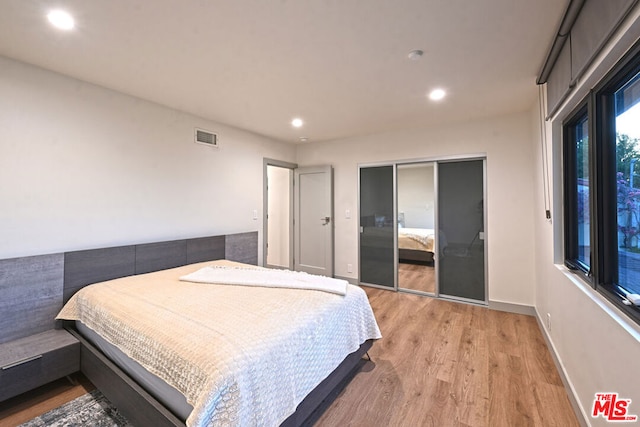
[[313, 219]]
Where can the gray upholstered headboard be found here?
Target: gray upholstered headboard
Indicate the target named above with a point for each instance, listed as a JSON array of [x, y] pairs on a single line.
[[33, 289]]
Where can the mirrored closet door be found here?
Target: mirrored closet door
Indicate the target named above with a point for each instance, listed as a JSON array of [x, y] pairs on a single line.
[[416, 227]]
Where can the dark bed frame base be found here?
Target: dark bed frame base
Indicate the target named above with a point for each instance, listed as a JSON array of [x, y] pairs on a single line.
[[142, 409], [133, 401], [413, 256], [319, 399]]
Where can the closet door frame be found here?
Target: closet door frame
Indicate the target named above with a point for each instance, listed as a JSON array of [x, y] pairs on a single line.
[[435, 161]]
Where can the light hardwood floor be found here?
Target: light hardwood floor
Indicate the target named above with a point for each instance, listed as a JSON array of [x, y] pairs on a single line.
[[439, 363], [442, 363], [30, 405], [417, 277]]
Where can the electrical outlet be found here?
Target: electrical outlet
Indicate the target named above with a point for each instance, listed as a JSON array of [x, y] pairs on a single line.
[[349, 268], [549, 322]]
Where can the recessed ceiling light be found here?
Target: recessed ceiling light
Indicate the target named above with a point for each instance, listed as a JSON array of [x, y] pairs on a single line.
[[61, 19], [303, 139], [416, 54], [437, 94], [296, 123]]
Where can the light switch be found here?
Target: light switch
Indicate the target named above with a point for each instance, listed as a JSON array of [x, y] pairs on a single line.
[[255, 214], [347, 213]]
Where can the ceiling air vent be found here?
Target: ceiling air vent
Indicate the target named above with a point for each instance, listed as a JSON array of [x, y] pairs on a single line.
[[207, 138]]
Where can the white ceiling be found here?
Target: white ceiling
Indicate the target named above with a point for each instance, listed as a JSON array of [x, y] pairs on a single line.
[[341, 65]]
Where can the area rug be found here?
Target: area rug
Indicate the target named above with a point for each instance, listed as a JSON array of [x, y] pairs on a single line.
[[91, 409]]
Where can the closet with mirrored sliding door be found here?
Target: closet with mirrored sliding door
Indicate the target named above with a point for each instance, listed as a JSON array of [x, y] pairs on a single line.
[[422, 227]]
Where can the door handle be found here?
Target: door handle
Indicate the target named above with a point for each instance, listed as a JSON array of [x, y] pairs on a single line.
[[326, 219]]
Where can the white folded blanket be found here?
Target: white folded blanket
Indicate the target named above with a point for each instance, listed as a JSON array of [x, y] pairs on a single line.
[[268, 278]]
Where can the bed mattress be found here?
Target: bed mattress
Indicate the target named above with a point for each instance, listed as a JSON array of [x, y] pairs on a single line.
[[240, 356]]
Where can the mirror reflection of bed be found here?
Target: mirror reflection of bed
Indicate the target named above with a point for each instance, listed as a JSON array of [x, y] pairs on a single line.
[[416, 223]]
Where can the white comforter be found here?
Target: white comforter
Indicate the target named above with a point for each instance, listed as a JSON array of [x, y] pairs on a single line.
[[241, 356], [268, 278]]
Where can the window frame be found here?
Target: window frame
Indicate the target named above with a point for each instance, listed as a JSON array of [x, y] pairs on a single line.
[[570, 190], [599, 107]]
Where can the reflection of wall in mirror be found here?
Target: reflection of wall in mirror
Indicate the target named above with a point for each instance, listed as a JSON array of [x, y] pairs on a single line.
[[416, 195]]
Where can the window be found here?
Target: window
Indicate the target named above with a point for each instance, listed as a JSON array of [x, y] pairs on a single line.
[[602, 186], [627, 125]]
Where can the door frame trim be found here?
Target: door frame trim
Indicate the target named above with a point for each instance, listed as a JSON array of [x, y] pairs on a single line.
[[265, 208]]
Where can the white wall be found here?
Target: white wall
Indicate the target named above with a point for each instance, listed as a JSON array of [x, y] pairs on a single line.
[[506, 141], [82, 166], [416, 195], [596, 344]]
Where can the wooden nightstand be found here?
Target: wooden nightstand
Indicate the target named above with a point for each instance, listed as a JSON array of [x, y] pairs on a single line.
[[35, 360]]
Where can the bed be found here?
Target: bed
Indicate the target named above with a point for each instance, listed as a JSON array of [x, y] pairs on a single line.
[[416, 245], [231, 361]]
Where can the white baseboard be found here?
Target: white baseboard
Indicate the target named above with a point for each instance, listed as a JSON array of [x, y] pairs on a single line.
[[571, 393], [529, 310], [351, 280]]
